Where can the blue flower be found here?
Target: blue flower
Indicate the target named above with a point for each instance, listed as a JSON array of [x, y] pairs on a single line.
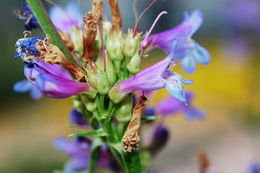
[[26, 86]]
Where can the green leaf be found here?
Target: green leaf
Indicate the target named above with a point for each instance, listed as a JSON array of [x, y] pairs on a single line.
[[94, 154], [99, 133], [150, 118]]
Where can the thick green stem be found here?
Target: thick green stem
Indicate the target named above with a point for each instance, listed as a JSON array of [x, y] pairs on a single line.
[[47, 26]]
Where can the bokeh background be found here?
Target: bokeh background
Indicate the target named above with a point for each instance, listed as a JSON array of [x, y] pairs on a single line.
[[227, 90]]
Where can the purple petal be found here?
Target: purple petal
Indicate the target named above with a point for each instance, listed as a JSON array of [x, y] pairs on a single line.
[[22, 86], [77, 118], [36, 93], [65, 19], [159, 139], [76, 164], [57, 87], [254, 168], [188, 64], [192, 113], [169, 106], [50, 84]]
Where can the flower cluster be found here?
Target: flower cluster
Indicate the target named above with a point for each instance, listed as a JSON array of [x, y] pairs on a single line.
[[107, 83]]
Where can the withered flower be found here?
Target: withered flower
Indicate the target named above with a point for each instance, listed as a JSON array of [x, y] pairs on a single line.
[[131, 137]]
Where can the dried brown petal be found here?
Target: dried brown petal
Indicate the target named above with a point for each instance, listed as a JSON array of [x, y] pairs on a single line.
[[131, 137], [116, 15], [66, 39], [51, 54], [91, 20]]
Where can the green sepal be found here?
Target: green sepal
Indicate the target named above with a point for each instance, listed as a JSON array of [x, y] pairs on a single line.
[[132, 43], [77, 39], [99, 132], [134, 65]]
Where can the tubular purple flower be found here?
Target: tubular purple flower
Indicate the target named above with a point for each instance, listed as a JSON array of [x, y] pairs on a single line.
[[26, 86], [170, 106], [254, 168], [65, 19], [77, 118], [154, 77], [188, 52], [52, 80]]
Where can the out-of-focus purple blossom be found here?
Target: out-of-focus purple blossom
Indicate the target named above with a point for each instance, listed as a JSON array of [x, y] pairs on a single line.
[[50, 81], [26, 86], [77, 118], [65, 19], [159, 139], [254, 168], [152, 78], [79, 151], [188, 52], [250, 10], [30, 20], [171, 105]]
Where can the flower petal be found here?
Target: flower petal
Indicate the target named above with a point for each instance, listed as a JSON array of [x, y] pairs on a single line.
[[193, 113], [188, 64], [22, 86], [201, 55]]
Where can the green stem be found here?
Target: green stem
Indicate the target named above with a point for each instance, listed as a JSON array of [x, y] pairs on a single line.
[[47, 26]]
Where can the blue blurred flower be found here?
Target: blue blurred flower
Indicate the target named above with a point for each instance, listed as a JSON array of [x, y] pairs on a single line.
[[77, 118], [254, 168]]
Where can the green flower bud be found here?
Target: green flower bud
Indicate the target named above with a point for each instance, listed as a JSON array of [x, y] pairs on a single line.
[[124, 110], [110, 69], [91, 93], [114, 45], [132, 44], [107, 26], [135, 64], [103, 85], [91, 106], [116, 95], [77, 39]]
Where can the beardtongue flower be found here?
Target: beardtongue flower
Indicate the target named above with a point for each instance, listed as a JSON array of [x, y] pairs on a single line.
[[26, 86], [188, 52], [159, 139], [154, 77], [52, 81], [79, 151], [27, 15], [170, 106], [77, 118], [66, 19], [254, 168]]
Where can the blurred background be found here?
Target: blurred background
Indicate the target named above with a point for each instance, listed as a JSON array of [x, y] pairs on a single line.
[[227, 90]]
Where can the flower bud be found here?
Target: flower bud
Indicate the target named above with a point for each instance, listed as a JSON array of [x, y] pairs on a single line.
[[77, 39], [103, 86], [124, 110], [110, 70], [135, 64], [132, 44], [77, 118], [91, 106], [115, 45], [159, 139]]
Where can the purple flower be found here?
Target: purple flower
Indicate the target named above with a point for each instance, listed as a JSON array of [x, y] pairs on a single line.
[[154, 77], [188, 52], [79, 151], [77, 118], [159, 139], [67, 18], [254, 168], [52, 80], [171, 106], [26, 86], [30, 20]]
